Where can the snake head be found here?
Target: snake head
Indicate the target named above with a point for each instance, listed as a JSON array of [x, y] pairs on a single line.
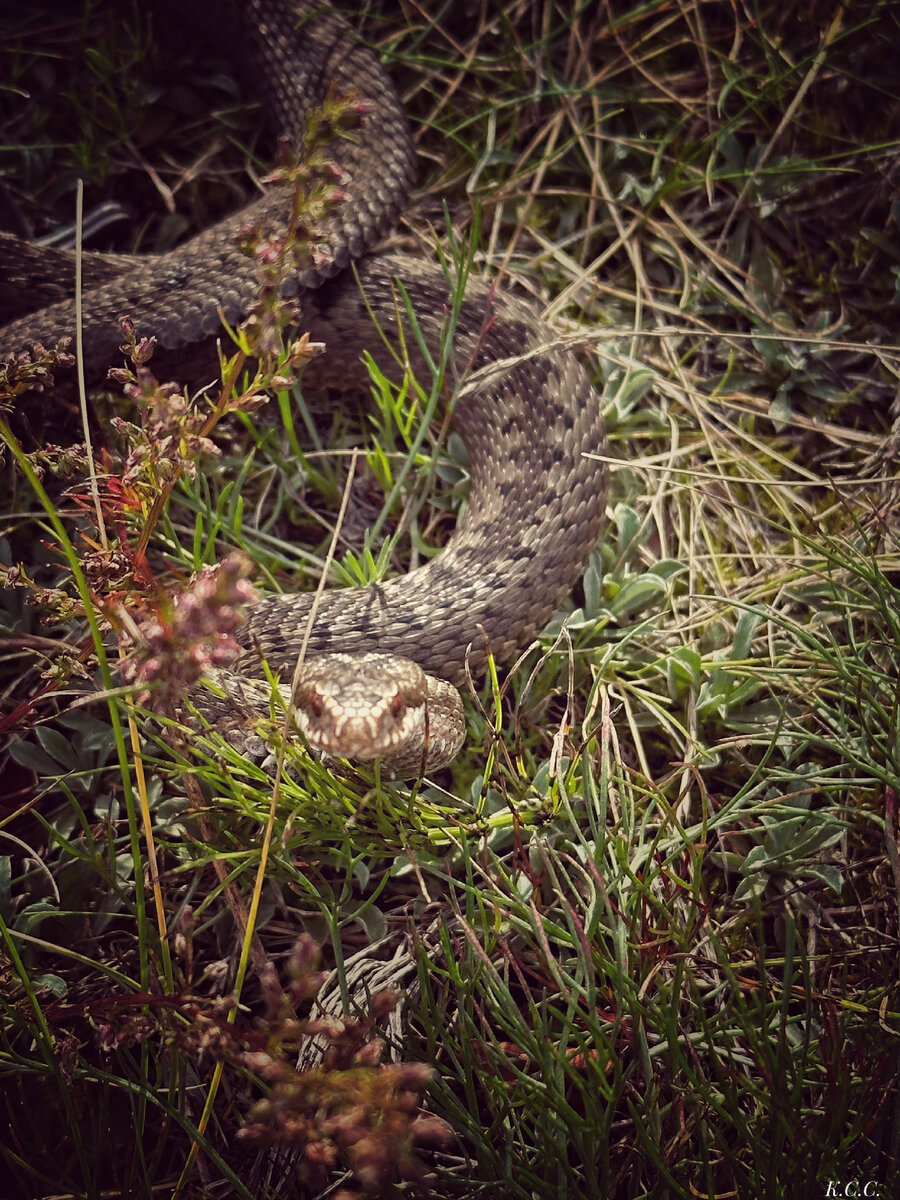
[[371, 706]]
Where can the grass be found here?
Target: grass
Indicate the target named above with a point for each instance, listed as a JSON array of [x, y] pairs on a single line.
[[645, 928]]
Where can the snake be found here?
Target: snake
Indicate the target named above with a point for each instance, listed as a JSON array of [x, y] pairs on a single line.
[[383, 662]]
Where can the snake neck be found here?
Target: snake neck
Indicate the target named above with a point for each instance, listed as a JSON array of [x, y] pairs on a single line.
[[534, 434]]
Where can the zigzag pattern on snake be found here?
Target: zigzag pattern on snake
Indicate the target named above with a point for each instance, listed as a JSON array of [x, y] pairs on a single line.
[[524, 407]]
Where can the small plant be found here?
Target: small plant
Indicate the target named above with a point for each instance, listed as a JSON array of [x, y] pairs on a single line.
[[784, 850], [354, 1109]]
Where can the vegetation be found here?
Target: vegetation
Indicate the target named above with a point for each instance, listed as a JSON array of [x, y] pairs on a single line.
[[641, 938]]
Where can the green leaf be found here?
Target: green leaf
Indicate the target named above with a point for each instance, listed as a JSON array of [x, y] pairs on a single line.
[[637, 594], [51, 983], [594, 602], [829, 875], [57, 745], [30, 917], [628, 526], [26, 754], [683, 670], [751, 888], [757, 859], [667, 568], [744, 633]]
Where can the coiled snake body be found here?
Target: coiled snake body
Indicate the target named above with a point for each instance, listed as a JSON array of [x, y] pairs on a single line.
[[525, 410]]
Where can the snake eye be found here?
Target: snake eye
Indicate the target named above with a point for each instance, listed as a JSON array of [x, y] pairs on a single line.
[[397, 705], [315, 705]]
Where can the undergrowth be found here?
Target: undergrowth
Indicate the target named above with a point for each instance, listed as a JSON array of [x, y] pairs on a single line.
[[641, 938]]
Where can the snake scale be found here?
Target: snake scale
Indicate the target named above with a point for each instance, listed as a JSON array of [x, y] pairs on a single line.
[[524, 408]]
